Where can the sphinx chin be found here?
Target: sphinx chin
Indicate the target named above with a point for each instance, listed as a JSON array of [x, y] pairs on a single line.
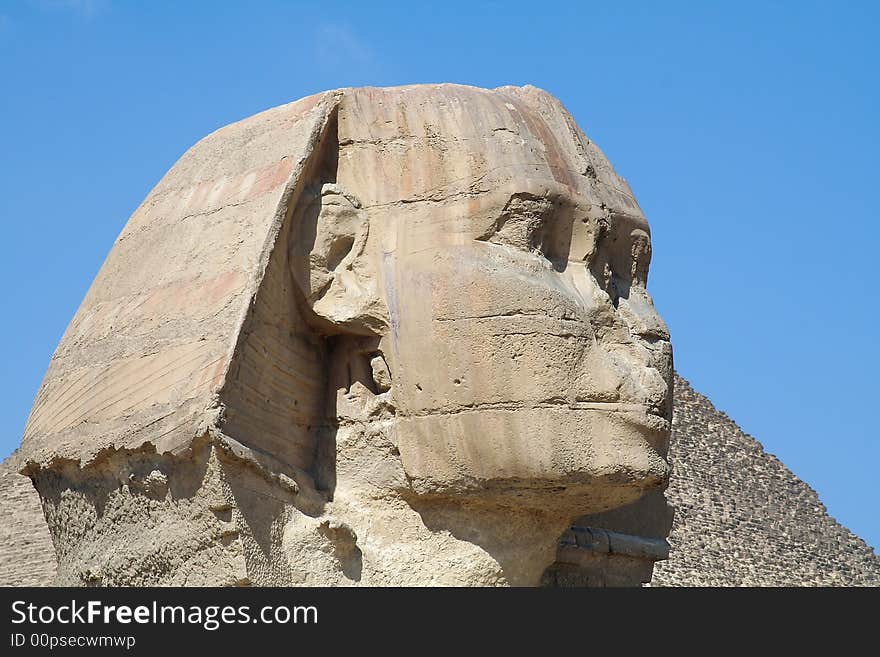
[[557, 461]]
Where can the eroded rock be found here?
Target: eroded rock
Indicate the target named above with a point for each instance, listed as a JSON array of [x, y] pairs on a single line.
[[376, 336]]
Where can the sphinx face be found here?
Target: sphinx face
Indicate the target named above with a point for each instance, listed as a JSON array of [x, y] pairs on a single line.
[[529, 366], [519, 371]]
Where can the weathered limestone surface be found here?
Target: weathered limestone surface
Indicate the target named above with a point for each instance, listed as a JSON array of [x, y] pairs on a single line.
[[146, 353], [723, 534], [27, 557], [375, 336]]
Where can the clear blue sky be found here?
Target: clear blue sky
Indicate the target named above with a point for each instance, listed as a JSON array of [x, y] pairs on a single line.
[[748, 131]]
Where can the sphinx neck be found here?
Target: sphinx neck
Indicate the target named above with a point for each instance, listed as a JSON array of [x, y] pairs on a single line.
[[402, 539], [445, 543]]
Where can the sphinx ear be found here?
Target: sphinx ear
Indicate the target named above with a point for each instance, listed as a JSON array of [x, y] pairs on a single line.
[[330, 264]]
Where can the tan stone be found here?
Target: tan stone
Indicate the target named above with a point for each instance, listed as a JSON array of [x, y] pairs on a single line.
[[376, 336], [771, 529]]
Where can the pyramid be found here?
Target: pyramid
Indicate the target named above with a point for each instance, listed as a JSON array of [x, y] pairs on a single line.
[[742, 518], [27, 557]]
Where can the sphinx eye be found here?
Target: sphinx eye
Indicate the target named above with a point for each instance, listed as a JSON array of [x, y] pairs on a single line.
[[523, 223], [603, 272], [601, 264], [539, 234], [640, 252], [606, 282]]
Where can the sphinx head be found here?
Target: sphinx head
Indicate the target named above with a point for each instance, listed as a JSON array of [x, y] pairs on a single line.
[[479, 272], [368, 324]]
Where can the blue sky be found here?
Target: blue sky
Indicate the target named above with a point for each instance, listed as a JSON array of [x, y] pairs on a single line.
[[748, 131]]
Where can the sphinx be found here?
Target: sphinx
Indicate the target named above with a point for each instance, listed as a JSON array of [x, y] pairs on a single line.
[[377, 336]]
